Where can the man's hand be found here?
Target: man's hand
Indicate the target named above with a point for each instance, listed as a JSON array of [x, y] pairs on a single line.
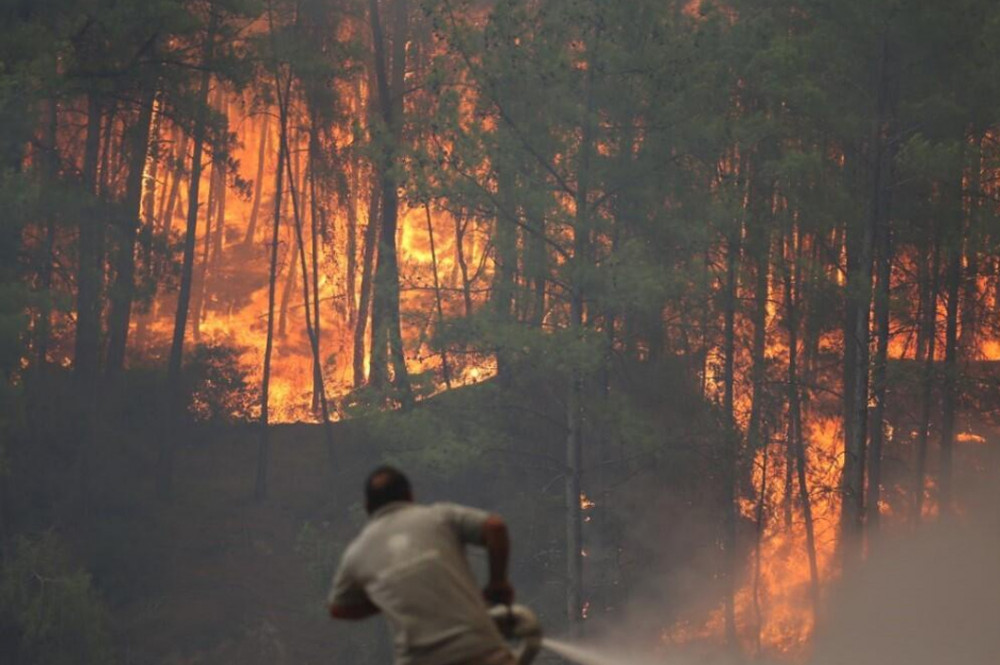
[[499, 593]]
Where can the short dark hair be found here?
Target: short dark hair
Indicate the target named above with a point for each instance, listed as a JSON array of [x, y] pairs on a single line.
[[385, 485]]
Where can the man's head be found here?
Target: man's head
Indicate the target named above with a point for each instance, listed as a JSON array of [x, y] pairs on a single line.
[[385, 485]]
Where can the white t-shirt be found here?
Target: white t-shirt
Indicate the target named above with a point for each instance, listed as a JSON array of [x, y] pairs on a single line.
[[409, 560]]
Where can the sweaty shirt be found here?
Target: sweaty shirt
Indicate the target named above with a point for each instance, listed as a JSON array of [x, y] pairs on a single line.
[[410, 562]]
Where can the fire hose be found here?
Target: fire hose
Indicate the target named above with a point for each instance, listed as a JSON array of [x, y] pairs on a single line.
[[521, 628]]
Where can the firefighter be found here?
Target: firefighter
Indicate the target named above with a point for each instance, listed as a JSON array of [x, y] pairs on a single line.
[[409, 564]]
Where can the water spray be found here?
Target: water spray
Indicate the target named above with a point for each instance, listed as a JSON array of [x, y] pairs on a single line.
[[521, 628]]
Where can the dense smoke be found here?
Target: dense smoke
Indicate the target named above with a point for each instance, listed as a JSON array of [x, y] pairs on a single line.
[[927, 599], [928, 596]]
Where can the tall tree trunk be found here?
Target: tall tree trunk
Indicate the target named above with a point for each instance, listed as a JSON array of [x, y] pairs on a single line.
[[165, 473], [445, 369], [167, 221], [879, 375], [854, 451], [150, 214], [883, 239], [292, 277], [365, 295], [860, 301], [123, 288], [953, 282], [169, 212], [51, 165], [505, 261], [258, 183], [796, 442], [315, 212], [353, 228], [760, 247], [387, 342], [151, 176], [168, 178], [760, 206], [574, 398], [218, 240], [461, 222], [929, 325], [211, 208], [969, 335], [759, 525], [263, 443], [91, 261], [311, 329], [923, 305], [731, 450], [351, 265]]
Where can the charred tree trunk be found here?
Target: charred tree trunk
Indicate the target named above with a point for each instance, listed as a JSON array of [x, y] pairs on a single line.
[[165, 471]]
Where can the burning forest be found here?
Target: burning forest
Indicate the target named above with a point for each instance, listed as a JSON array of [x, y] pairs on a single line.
[[703, 297]]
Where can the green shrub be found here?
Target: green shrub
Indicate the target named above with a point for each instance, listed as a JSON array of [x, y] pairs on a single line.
[[50, 613]]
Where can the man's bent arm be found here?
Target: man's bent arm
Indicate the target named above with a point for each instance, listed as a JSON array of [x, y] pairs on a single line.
[[497, 542], [354, 612]]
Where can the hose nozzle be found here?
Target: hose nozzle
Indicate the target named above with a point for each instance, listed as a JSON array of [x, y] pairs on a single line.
[[519, 625]]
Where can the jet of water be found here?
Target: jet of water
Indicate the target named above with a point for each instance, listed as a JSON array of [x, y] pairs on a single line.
[[583, 655]]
